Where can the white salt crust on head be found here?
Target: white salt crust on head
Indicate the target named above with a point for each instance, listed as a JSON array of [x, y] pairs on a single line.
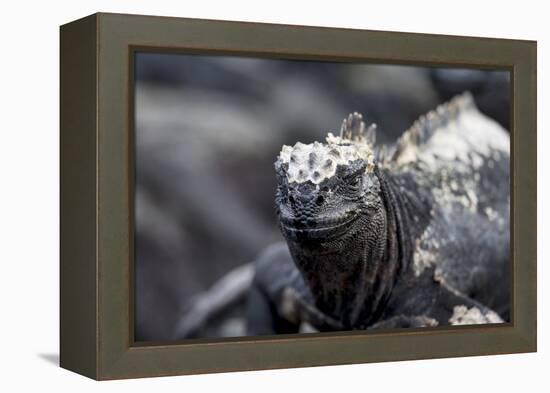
[[316, 161]]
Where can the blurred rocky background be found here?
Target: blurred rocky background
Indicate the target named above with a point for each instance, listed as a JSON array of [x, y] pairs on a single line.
[[208, 129]]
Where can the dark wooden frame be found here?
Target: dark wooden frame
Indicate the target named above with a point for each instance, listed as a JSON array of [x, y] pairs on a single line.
[[97, 195]]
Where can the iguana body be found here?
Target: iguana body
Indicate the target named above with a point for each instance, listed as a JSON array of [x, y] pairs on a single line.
[[414, 236]]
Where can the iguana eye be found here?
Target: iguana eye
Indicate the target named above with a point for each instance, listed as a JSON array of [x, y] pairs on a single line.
[[355, 182]]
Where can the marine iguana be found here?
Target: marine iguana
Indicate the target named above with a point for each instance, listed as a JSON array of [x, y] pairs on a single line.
[[415, 235]]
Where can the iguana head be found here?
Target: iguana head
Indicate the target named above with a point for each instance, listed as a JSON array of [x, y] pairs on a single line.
[[325, 190], [339, 215]]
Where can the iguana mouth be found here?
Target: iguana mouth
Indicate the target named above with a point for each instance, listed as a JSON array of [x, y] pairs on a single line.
[[318, 229]]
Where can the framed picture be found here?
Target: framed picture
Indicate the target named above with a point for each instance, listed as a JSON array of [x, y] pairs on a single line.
[[241, 196]]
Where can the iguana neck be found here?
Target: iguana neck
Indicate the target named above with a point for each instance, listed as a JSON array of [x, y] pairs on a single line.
[[351, 279]]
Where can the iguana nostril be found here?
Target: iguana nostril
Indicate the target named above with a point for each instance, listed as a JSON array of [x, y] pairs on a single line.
[[319, 201], [291, 199]]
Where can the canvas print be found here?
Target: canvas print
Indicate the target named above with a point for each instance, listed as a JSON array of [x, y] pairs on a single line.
[[279, 196]]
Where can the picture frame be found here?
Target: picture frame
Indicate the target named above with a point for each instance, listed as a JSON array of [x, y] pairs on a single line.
[[97, 195]]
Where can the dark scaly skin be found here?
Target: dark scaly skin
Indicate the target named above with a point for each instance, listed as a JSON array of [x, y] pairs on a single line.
[[349, 261]]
